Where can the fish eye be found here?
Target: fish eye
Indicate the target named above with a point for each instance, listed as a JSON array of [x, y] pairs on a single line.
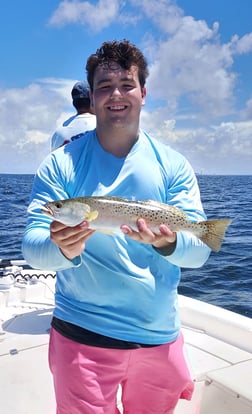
[[58, 204]]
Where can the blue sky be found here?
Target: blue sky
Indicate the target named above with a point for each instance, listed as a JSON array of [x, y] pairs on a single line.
[[199, 92]]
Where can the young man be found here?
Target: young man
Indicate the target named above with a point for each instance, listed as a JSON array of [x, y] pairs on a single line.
[[116, 314], [76, 126]]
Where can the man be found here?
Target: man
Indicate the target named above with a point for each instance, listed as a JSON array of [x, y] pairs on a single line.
[[116, 314], [75, 127]]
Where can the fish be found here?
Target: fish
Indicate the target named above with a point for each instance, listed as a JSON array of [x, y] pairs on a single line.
[[107, 214]]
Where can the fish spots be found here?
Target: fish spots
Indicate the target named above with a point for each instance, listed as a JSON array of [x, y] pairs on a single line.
[[107, 214]]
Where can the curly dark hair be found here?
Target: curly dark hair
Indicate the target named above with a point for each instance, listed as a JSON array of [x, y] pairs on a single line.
[[122, 52]]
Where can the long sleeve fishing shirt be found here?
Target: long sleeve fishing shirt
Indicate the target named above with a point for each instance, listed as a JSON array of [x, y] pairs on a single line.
[[117, 287]]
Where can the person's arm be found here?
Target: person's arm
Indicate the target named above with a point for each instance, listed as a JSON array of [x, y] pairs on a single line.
[[183, 248], [38, 247], [183, 192]]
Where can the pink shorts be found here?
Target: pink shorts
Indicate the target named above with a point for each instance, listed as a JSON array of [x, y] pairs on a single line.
[[86, 378]]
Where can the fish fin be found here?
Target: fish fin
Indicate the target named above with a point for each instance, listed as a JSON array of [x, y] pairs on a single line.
[[215, 233], [92, 215]]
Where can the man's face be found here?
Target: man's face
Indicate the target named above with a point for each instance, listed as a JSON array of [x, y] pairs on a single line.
[[117, 96]]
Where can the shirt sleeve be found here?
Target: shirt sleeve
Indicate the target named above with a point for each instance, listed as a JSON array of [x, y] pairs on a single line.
[[37, 248], [56, 141], [183, 192]]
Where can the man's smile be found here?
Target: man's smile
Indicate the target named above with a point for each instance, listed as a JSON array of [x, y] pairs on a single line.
[[117, 107]]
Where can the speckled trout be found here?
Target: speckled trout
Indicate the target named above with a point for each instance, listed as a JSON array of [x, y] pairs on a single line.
[[107, 214]]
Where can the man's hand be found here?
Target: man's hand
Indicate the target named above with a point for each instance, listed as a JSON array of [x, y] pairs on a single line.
[[145, 235], [70, 240]]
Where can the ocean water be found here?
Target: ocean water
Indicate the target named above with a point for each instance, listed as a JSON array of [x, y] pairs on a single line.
[[226, 278]]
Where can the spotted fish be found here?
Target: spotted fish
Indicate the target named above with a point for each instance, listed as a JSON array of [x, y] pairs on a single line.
[[107, 214]]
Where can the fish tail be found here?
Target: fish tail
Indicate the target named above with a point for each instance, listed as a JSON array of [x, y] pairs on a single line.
[[215, 233]]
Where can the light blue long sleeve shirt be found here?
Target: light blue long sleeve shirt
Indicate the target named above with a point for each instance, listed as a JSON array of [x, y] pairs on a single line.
[[118, 287]]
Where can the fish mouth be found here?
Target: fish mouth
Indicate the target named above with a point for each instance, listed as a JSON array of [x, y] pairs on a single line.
[[47, 210]]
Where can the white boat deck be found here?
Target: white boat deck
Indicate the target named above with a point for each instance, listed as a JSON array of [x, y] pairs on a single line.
[[218, 348]]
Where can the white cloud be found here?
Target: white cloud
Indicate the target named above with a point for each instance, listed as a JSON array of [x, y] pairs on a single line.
[[223, 148], [164, 13], [192, 64], [188, 57], [246, 113], [191, 73], [94, 17], [242, 45], [28, 118], [59, 86], [34, 113], [159, 125]]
